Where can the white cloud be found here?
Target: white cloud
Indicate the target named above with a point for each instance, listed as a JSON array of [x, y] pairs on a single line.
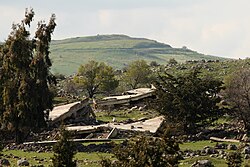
[[211, 27]]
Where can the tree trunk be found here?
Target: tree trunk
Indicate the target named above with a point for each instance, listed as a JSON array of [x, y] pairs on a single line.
[[18, 136]]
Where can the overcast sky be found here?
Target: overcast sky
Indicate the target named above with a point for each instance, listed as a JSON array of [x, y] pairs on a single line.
[[215, 27]]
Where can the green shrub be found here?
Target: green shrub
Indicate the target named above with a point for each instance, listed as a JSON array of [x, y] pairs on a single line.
[[64, 151], [146, 152], [234, 159]]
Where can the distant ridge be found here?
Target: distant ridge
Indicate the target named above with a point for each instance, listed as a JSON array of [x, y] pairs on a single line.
[[116, 50]]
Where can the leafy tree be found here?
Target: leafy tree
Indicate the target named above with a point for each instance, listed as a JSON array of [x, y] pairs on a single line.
[[188, 100], [234, 159], [237, 93], [64, 150], [25, 76], [147, 152], [95, 77], [137, 74]]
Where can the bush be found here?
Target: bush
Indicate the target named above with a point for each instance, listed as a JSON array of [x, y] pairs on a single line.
[[64, 151], [234, 159], [146, 152]]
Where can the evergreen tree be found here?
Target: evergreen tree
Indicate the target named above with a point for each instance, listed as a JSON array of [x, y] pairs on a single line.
[[64, 151], [25, 76], [188, 100]]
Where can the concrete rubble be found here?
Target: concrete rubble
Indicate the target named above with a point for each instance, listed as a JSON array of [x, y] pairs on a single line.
[[150, 125], [127, 98], [80, 111]]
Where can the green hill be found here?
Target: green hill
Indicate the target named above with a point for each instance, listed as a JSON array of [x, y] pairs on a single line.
[[116, 50]]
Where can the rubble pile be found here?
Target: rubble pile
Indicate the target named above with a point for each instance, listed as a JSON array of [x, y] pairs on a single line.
[[103, 147], [219, 151]]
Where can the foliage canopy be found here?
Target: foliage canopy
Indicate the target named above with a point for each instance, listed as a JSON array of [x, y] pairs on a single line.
[[95, 76], [147, 152], [137, 74], [25, 76], [237, 93], [188, 100], [64, 150]]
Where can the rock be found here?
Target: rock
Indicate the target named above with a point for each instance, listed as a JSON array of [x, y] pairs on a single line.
[[220, 146], [22, 162], [232, 147], [247, 156], [221, 156], [245, 138], [202, 163], [140, 108], [221, 152], [4, 162], [210, 150], [133, 108], [246, 150]]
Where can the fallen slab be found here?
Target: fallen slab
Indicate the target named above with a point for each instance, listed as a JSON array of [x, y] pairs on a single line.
[[150, 125], [50, 142], [224, 140], [127, 97], [75, 111]]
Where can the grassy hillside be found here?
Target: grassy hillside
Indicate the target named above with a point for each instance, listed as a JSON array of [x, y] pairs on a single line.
[[116, 50]]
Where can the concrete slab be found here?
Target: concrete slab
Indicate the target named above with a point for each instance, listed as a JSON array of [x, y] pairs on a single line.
[[148, 125], [60, 113], [60, 110]]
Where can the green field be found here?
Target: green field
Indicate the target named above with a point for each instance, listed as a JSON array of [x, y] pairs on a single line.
[[93, 159], [115, 50], [34, 158]]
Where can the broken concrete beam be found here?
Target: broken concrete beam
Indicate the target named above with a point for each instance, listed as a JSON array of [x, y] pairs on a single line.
[[83, 129], [224, 140], [50, 142], [146, 125], [113, 133]]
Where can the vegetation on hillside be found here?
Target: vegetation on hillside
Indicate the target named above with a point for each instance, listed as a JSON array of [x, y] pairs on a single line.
[[115, 50], [188, 91]]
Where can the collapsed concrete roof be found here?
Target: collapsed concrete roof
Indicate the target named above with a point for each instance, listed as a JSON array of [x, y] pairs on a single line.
[[70, 110], [150, 125], [127, 97]]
